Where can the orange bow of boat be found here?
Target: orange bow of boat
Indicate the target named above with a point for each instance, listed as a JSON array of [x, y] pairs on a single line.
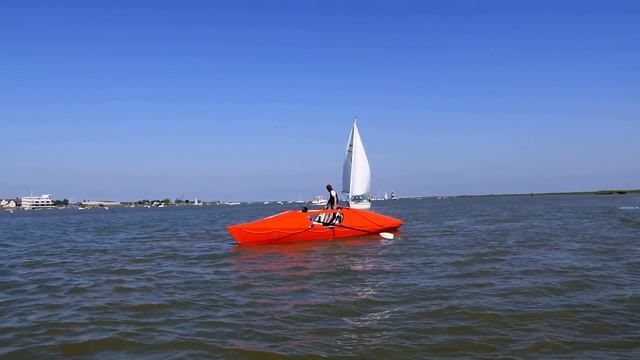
[[313, 225]]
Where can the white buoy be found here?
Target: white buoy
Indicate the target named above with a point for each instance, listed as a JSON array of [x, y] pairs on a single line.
[[386, 235]]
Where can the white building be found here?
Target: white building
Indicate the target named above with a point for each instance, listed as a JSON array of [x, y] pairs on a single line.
[[37, 202]]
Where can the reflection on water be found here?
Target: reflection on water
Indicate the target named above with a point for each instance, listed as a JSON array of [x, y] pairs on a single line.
[[468, 277]]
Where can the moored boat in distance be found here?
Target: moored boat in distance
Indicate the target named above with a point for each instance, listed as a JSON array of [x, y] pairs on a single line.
[[303, 225], [319, 200]]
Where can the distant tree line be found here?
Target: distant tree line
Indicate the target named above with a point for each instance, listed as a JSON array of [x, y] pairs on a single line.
[[149, 202], [63, 202]]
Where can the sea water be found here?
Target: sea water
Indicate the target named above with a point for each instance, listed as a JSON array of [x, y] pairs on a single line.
[[485, 277]]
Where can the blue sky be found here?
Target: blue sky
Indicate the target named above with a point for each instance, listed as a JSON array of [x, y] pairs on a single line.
[[251, 100]]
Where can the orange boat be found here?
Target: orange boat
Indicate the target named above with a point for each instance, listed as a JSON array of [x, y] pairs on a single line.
[[308, 225]]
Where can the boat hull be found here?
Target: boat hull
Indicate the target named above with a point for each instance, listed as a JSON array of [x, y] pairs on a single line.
[[360, 204], [295, 226]]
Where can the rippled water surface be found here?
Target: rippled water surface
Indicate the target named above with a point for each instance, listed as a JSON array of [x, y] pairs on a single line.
[[521, 277]]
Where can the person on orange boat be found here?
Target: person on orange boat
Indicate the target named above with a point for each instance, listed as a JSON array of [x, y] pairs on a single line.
[[333, 198], [332, 203]]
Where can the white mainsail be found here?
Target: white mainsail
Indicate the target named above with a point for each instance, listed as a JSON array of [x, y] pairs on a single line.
[[356, 174]]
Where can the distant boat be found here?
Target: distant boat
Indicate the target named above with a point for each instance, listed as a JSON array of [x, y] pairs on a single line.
[[319, 200], [197, 203], [393, 196], [356, 173]]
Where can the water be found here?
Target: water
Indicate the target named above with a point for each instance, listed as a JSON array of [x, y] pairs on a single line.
[[495, 277]]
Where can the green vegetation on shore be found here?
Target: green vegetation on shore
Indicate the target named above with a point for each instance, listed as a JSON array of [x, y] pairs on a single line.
[[599, 192]]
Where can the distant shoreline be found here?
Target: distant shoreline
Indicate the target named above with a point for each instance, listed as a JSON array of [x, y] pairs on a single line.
[[599, 192], [157, 203]]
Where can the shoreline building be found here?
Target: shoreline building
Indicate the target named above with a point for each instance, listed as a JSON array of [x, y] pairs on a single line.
[[37, 202]]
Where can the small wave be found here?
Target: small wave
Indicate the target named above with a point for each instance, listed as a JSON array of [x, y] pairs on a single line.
[[130, 289], [545, 346], [629, 207], [112, 271], [458, 346], [630, 223], [158, 307], [76, 290], [90, 347], [442, 233]]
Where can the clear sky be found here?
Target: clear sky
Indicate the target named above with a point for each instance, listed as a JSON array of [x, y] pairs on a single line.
[[253, 100]]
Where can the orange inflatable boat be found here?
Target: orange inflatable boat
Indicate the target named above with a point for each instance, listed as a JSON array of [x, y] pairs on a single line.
[[308, 225]]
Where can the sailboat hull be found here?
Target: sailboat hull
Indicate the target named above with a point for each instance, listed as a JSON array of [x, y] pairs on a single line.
[[360, 204], [295, 226]]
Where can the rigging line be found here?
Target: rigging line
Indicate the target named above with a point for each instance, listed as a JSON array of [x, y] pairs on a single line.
[[283, 237], [363, 230], [369, 220]]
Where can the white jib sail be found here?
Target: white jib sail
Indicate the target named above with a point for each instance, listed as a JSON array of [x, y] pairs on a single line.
[[356, 171]]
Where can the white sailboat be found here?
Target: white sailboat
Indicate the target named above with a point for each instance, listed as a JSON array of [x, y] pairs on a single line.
[[356, 174]]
